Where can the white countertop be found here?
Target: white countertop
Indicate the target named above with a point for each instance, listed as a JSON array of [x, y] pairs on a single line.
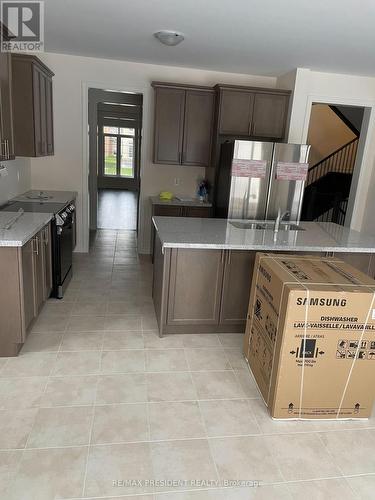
[[191, 202], [186, 232], [52, 196], [22, 230]]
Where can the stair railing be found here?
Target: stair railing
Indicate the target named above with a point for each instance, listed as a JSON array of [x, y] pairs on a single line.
[[342, 160]]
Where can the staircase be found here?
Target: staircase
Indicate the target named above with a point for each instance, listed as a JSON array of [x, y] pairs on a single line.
[[328, 185]]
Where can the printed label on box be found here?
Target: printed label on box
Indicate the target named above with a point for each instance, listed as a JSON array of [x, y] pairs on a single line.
[[249, 168], [290, 171]]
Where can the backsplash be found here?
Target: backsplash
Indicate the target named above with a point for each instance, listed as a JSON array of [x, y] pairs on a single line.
[[17, 181]]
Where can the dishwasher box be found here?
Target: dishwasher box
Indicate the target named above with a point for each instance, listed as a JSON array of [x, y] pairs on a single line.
[[310, 337]]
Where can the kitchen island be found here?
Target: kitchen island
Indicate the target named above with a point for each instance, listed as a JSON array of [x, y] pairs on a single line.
[[203, 267]]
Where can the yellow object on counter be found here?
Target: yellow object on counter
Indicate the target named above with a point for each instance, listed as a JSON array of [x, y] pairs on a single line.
[[166, 195]]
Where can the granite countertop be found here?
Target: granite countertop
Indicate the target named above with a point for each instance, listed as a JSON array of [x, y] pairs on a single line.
[[53, 196], [25, 228], [192, 202], [186, 232]]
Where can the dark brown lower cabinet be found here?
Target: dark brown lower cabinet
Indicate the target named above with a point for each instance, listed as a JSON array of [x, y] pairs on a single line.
[[27, 273]]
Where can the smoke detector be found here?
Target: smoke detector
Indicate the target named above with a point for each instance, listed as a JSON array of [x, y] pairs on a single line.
[[170, 38]]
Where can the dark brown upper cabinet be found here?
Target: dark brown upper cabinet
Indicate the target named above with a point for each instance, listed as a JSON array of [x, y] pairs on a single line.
[[183, 124], [32, 106], [6, 112], [252, 112]]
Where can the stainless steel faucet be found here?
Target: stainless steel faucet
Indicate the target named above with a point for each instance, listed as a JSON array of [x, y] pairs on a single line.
[[279, 218]]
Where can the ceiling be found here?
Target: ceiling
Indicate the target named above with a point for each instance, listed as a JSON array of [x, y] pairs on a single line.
[[268, 37]]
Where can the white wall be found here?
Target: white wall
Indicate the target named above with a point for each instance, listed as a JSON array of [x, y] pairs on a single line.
[[314, 86], [68, 168], [17, 181]]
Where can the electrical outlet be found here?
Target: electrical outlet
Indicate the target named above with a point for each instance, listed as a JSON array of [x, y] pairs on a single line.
[[176, 181]]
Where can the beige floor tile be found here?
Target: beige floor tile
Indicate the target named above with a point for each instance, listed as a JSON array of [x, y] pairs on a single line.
[[236, 358], [362, 486], [244, 458], [301, 456], [50, 324], [23, 392], [179, 420], [123, 361], [66, 391], [82, 342], [352, 451], [129, 388], [125, 307], [323, 489], [261, 492], [29, 364], [57, 308], [212, 494], [120, 423], [85, 324], [153, 341], [15, 427], [77, 363], [109, 464], [82, 309], [123, 322], [231, 339], [207, 359], [217, 385], [201, 340], [42, 343], [232, 417], [149, 322], [64, 426], [186, 460], [170, 387], [165, 360], [247, 383], [9, 461], [123, 340], [50, 473]]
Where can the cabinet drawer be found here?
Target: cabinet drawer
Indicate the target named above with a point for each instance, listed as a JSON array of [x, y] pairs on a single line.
[[203, 212], [167, 210]]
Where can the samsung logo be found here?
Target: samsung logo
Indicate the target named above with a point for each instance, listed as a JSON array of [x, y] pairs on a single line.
[[321, 301]]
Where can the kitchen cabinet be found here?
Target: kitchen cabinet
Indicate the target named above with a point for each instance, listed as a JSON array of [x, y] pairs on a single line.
[[252, 112], [32, 106], [6, 111], [194, 287], [183, 124], [239, 265], [181, 210], [27, 272]]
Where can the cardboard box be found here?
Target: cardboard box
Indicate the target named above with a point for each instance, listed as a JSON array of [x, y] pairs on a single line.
[[310, 337]]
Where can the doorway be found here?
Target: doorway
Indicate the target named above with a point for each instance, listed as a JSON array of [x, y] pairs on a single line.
[[115, 126], [335, 133]]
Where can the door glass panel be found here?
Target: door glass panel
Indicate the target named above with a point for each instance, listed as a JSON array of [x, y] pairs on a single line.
[[110, 155], [110, 130], [127, 131], [127, 157]]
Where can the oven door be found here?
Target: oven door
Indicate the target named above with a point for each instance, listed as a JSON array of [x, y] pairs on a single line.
[[65, 239]]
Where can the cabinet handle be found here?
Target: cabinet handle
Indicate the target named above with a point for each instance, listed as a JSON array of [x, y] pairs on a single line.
[[229, 256], [36, 240], [7, 149], [222, 256], [180, 157]]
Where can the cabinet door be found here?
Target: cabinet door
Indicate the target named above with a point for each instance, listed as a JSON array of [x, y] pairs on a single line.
[[195, 287], [47, 261], [169, 124], [28, 283], [43, 113], [197, 212], [37, 76], [49, 117], [198, 128], [236, 109], [39, 271], [6, 113], [236, 286], [269, 117]]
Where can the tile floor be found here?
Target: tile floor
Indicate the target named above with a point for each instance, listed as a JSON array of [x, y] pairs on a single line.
[[112, 202], [97, 406]]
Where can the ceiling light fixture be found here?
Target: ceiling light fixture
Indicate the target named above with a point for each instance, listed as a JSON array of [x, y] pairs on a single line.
[[170, 38]]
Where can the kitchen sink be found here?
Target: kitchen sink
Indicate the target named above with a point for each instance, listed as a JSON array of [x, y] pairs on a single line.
[[267, 226]]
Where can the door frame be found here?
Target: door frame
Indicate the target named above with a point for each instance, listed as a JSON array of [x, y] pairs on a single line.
[[361, 175], [89, 177]]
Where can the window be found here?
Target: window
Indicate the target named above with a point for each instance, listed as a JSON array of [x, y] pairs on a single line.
[[119, 151]]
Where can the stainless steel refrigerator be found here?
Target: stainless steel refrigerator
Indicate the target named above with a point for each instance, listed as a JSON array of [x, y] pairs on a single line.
[[256, 179]]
